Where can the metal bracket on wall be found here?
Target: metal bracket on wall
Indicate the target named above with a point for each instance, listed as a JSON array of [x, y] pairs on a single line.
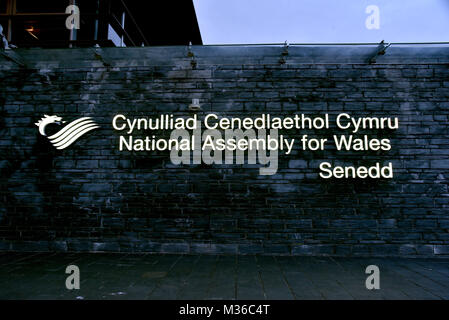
[[99, 57], [191, 55], [381, 49], [284, 53], [14, 57], [195, 105]]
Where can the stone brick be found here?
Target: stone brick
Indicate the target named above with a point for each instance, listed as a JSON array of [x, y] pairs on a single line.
[[96, 187], [105, 246], [297, 164], [87, 164], [441, 249], [439, 164], [175, 248]]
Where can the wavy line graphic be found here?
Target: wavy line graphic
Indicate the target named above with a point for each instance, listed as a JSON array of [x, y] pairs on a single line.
[[72, 132]]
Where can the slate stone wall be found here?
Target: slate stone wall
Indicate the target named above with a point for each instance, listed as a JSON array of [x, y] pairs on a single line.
[[91, 197]]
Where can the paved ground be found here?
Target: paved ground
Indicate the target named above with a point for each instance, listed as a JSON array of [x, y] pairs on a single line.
[[131, 276]]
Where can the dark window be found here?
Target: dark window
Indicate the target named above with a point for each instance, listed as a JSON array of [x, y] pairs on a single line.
[[87, 6], [3, 6], [48, 6], [28, 30]]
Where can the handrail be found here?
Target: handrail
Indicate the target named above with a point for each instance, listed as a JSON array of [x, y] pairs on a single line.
[[319, 44]]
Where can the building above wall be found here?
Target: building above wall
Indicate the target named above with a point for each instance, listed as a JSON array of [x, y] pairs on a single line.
[[106, 23]]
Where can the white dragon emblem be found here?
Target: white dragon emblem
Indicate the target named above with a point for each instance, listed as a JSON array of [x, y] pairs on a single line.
[[68, 134], [46, 120]]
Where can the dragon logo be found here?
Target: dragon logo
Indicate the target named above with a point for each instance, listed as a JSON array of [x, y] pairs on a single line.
[[68, 134]]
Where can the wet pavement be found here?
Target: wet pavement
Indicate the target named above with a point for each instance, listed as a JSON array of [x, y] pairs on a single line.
[[156, 276]]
